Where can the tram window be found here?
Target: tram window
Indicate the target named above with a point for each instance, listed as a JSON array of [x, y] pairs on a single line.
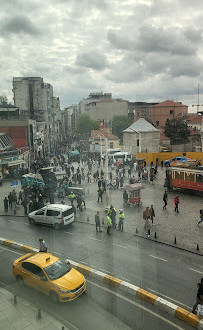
[[177, 175], [189, 177], [181, 175], [199, 178]]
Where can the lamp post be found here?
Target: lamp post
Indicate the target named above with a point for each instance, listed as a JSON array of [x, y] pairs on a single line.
[[140, 136]]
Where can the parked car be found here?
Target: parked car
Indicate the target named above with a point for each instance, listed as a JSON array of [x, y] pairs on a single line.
[[55, 215], [176, 159], [50, 275]]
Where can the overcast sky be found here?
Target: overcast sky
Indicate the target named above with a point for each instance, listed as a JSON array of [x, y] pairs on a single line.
[[139, 50]]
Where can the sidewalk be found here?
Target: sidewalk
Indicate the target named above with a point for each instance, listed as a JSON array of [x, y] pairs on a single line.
[[168, 224], [23, 315]]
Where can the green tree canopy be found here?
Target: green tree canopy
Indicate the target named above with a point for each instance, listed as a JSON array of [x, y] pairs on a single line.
[[177, 130], [119, 123], [3, 99], [85, 124]]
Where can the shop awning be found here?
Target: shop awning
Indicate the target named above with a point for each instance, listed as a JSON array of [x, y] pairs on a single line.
[[15, 162]]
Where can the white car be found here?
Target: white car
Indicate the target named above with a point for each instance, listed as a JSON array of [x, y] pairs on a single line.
[[55, 215]]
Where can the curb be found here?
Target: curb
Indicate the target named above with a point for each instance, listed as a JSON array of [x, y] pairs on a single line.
[[144, 295]]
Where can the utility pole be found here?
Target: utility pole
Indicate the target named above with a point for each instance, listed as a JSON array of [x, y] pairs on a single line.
[[197, 105]]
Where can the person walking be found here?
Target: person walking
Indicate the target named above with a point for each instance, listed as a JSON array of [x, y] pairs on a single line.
[[176, 201], [121, 220], [97, 221], [10, 200], [113, 216], [125, 197], [165, 199], [148, 226], [72, 197], [6, 205], [42, 245], [100, 194], [109, 224], [199, 297], [201, 217], [152, 214], [24, 204]]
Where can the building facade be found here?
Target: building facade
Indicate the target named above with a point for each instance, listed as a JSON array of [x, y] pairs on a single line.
[[141, 136], [160, 112]]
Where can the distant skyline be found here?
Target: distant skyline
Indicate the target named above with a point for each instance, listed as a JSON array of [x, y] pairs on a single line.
[[138, 50]]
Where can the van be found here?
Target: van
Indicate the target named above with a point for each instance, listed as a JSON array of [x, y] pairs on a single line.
[[122, 157], [54, 215], [111, 152]]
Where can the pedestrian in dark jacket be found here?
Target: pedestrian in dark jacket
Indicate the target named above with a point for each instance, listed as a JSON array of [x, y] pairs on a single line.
[[6, 205], [152, 214], [165, 199], [24, 203], [97, 221], [201, 217], [31, 207], [100, 194], [10, 200]]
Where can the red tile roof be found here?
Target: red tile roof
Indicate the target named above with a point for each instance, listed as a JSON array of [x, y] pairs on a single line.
[[193, 118], [96, 134], [168, 103]]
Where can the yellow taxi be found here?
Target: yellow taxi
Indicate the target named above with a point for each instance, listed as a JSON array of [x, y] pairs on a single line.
[[50, 275]]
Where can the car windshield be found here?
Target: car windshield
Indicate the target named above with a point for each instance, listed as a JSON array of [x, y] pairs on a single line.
[[57, 270]]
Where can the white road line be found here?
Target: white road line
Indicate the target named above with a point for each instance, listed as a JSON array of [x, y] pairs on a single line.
[[158, 258], [161, 294], [3, 248], [126, 279], [95, 239], [67, 232], [124, 247], [104, 270], [137, 305], [83, 262], [197, 271]]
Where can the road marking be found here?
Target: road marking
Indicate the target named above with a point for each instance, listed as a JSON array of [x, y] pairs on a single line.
[[124, 247], [11, 220], [95, 239], [126, 279], [161, 294], [104, 270], [158, 258], [11, 250], [136, 304], [197, 271]]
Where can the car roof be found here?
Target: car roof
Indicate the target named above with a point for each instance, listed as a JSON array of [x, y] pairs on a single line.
[[42, 259], [58, 206]]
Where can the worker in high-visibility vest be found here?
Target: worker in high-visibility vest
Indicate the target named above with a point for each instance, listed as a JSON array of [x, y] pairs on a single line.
[[121, 219], [72, 197], [109, 223]]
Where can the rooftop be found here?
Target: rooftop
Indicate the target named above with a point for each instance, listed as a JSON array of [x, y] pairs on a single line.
[[141, 125], [102, 133], [168, 103]]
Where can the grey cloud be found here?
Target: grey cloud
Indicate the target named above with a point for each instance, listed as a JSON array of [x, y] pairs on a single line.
[[19, 24], [186, 66], [74, 69], [193, 35], [92, 59]]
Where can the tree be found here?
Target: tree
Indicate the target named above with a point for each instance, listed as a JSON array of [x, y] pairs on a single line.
[[85, 124], [119, 124], [177, 130], [3, 99]]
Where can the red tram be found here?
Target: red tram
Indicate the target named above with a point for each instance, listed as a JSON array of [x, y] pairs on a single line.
[[185, 178]]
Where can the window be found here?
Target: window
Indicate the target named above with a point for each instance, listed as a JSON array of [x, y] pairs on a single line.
[[40, 212], [171, 112], [189, 177], [52, 213], [33, 268], [57, 270], [67, 212], [157, 123], [199, 178], [138, 142], [111, 145]]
